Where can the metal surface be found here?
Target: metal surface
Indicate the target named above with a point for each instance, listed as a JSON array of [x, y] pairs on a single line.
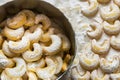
[[39, 6]]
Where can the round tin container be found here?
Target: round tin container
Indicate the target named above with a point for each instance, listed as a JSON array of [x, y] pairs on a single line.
[[13, 7]]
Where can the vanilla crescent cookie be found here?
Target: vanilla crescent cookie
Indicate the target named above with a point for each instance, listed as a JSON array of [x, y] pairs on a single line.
[[35, 55], [80, 74], [89, 61], [32, 66], [112, 15], [97, 74], [4, 61], [100, 48], [34, 36], [6, 50], [41, 18], [30, 17], [111, 29], [17, 71], [48, 71], [92, 9], [96, 31], [117, 2], [109, 66], [19, 46], [17, 21], [115, 42], [54, 47], [12, 34]]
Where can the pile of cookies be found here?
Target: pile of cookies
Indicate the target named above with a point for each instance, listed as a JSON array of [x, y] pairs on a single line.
[[100, 57], [32, 47]]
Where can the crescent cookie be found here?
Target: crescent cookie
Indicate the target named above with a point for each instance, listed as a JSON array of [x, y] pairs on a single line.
[[41, 18], [30, 17], [96, 31], [111, 29], [100, 48], [48, 71], [12, 34], [17, 71], [54, 47], [92, 9], [17, 21], [59, 63], [112, 15], [109, 66], [35, 55], [6, 50], [4, 61], [89, 61], [19, 46], [34, 36]]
